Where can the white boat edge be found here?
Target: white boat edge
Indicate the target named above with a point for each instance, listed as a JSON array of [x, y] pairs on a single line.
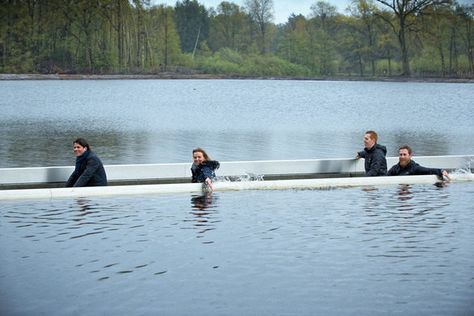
[[35, 177], [158, 189]]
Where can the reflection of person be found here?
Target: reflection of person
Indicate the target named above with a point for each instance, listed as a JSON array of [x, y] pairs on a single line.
[[406, 166], [203, 167], [89, 169], [374, 155], [201, 202], [404, 193]]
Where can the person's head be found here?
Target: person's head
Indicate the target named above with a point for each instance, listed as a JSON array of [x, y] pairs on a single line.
[[199, 156], [80, 146], [370, 139], [404, 155]]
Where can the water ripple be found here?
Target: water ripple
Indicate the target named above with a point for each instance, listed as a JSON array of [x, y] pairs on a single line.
[[391, 242]]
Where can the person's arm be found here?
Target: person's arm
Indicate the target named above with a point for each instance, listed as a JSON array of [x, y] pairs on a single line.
[[361, 154], [209, 184], [420, 170], [208, 174], [92, 165], [71, 180]]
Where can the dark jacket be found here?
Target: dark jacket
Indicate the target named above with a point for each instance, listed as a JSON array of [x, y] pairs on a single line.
[[89, 171], [413, 169], [375, 162], [204, 170]]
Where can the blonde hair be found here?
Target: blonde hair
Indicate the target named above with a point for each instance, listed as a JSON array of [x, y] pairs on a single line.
[[200, 150]]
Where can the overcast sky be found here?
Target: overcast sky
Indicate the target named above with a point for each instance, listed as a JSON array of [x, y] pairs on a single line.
[[283, 8]]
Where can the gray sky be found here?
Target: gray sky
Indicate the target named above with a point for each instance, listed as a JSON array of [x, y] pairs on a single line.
[[283, 8]]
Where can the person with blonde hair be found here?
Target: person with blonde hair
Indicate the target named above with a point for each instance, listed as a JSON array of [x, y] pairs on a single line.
[[203, 168]]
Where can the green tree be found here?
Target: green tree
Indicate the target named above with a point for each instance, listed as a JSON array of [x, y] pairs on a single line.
[[465, 15], [322, 32], [192, 22], [229, 28], [261, 15], [405, 11], [165, 40], [365, 27], [294, 45]]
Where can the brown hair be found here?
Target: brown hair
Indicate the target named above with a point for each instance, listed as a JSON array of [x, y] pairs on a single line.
[[199, 149], [407, 148], [82, 142], [373, 135]]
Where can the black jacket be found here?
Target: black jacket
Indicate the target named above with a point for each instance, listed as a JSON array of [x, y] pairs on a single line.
[[89, 171], [413, 169], [204, 170], [375, 162]]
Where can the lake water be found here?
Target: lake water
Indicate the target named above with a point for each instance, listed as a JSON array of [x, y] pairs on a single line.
[[160, 121], [390, 250], [386, 251]]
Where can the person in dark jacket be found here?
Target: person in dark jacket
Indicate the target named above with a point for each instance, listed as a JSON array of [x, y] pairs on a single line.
[[374, 155], [89, 169], [406, 166], [203, 168]]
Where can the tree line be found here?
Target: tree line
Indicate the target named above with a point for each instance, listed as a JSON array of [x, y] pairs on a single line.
[[373, 38]]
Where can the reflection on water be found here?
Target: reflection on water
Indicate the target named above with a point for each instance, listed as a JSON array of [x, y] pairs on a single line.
[[116, 147], [202, 201], [234, 253], [251, 119], [204, 213], [407, 222], [404, 192]]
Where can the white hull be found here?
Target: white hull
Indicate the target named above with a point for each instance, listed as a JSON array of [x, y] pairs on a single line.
[[109, 191]]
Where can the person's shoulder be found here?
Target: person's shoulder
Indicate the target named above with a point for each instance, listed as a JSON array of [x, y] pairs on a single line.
[[381, 148], [92, 155], [413, 163], [394, 170], [213, 164]]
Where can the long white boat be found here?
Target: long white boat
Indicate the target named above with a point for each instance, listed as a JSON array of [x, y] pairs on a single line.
[[44, 182]]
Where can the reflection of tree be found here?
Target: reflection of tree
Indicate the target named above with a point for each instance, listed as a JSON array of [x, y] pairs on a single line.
[[55, 141]]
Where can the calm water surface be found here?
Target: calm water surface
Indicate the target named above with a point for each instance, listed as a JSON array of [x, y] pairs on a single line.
[[160, 121], [394, 250], [364, 251]]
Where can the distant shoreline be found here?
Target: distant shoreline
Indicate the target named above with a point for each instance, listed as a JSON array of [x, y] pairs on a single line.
[[211, 77]]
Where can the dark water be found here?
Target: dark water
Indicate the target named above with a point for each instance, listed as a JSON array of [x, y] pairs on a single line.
[[367, 251], [394, 250], [160, 121]]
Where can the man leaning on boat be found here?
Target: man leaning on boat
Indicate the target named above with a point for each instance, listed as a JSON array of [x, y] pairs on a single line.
[[406, 166], [374, 155]]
